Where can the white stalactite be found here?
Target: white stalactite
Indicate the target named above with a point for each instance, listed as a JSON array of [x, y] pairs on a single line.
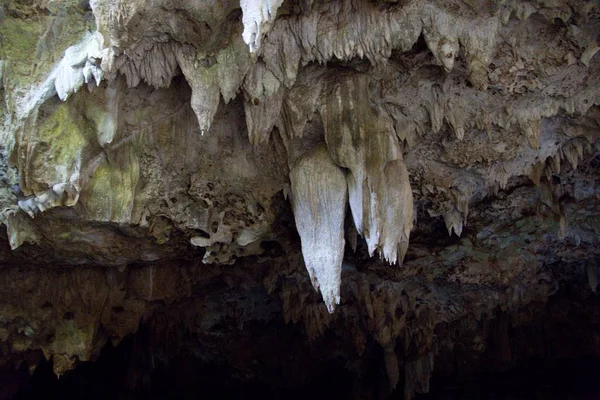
[[319, 196], [258, 18], [80, 64]]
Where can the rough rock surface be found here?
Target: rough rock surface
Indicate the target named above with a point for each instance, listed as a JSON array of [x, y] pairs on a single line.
[[190, 168]]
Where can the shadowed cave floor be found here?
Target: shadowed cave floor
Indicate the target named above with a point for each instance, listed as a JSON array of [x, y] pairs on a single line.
[[190, 379], [137, 369]]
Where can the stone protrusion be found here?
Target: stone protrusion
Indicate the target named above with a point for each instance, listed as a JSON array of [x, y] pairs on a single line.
[[319, 197], [364, 141]]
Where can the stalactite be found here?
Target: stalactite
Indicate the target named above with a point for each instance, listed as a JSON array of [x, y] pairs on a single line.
[[363, 140], [319, 196], [258, 18]]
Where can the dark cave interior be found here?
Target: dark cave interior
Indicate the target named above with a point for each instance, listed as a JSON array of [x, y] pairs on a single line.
[[546, 359]]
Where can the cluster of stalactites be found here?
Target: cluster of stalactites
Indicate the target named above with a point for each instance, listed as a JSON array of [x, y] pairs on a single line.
[[362, 162], [347, 30]]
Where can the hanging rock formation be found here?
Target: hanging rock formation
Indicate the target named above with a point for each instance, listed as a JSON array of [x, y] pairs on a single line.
[[362, 140], [319, 199]]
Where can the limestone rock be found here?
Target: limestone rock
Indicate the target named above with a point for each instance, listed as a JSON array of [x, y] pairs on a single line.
[[179, 171], [319, 196]]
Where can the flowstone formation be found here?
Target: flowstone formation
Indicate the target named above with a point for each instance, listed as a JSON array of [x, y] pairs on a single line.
[[212, 160]]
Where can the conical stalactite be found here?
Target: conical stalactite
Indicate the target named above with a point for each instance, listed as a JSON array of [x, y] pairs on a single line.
[[205, 87], [362, 139], [397, 204], [264, 97], [319, 197]]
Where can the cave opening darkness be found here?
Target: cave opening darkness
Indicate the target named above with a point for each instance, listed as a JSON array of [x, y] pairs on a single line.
[[551, 357]]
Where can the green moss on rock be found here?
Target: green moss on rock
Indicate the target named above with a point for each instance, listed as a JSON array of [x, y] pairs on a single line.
[[56, 149], [110, 192]]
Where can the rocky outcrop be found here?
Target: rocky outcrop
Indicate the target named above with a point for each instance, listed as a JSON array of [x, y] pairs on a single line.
[[151, 150]]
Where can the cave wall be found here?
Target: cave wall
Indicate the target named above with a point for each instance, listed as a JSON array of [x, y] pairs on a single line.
[[381, 172]]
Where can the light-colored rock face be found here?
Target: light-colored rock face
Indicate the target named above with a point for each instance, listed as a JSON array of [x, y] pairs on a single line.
[[186, 123]]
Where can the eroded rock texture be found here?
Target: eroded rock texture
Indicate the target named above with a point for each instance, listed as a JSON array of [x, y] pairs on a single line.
[[190, 169]]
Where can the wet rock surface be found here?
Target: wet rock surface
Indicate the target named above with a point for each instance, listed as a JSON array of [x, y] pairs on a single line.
[[360, 199]]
